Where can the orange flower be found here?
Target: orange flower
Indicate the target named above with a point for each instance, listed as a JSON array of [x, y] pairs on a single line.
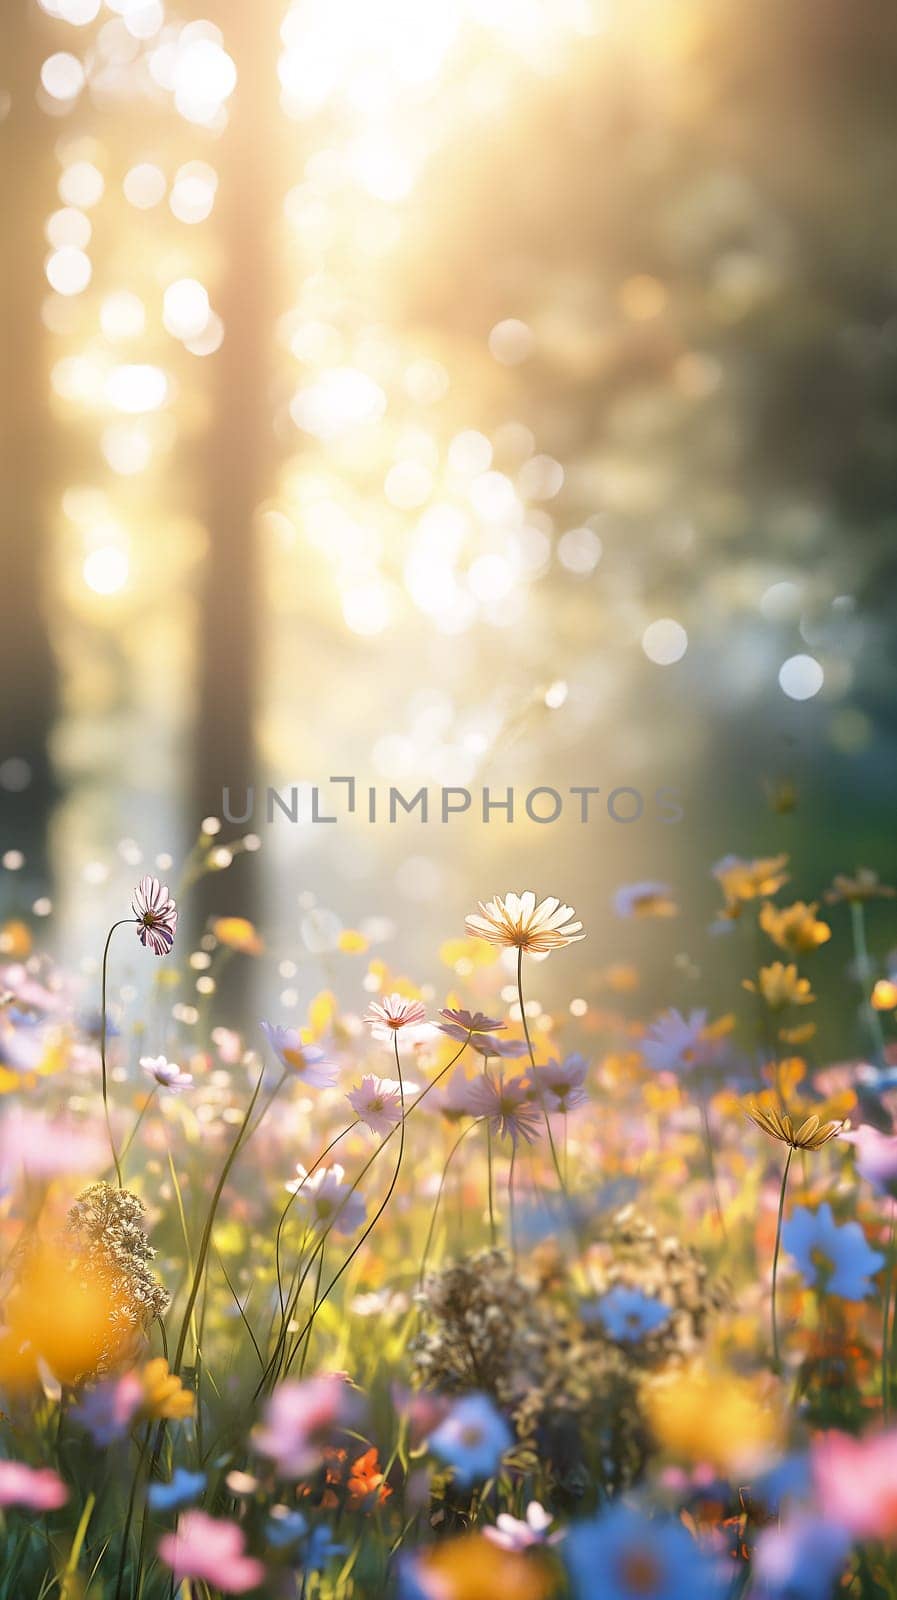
[[794, 928], [163, 1393]]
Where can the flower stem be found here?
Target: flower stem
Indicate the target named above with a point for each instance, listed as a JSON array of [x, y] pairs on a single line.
[[864, 973], [119, 924], [776, 1359], [432, 1228], [490, 1184], [532, 1057]]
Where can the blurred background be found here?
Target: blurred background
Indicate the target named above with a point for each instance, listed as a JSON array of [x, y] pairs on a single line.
[[445, 392]]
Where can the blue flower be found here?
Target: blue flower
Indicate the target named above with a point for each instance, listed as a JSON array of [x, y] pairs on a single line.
[[625, 1555], [801, 1559], [626, 1314], [321, 1549], [184, 1488], [472, 1438], [838, 1259], [285, 1527]]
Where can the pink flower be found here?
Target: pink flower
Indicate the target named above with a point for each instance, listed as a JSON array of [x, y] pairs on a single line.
[[205, 1548], [856, 1481], [156, 915], [41, 1148], [876, 1158], [378, 1102], [38, 1489], [388, 1015], [300, 1419]]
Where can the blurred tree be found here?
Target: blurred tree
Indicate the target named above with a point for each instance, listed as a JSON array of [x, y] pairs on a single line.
[[27, 669]]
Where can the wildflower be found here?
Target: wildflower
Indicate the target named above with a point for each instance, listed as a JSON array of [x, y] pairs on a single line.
[[864, 885], [479, 1032], [810, 1135], [39, 1148], [884, 995], [560, 1083], [236, 933], [285, 1527], [164, 1396], [156, 915], [166, 1073], [626, 1314], [876, 1159], [378, 1103], [309, 1062], [204, 1547], [512, 1534], [645, 900], [470, 1567], [672, 1042], [838, 1259], [184, 1488], [714, 1418], [387, 1016], [802, 1558], [794, 928], [35, 1488], [108, 1409], [742, 881], [358, 1484], [299, 1419], [781, 986], [507, 1107], [106, 1227], [329, 1201], [518, 922], [854, 1481], [472, 1439], [636, 1557]]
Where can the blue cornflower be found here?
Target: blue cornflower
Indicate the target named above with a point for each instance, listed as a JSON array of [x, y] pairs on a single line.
[[626, 1314], [185, 1487], [625, 1555], [672, 1043], [472, 1438], [838, 1259]]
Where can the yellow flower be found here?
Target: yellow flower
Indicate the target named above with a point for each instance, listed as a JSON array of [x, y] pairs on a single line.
[[864, 885], [781, 986], [742, 881], [714, 1417], [884, 995], [810, 1135], [473, 1568], [799, 1034], [794, 928], [520, 923], [352, 943], [237, 934], [163, 1393]]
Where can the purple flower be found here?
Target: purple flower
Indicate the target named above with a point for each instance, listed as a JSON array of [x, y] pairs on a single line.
[[560, 1083], [108, 1410], [308, 1061], [477, 1030], [507, 1107], [156, 915], [472, 1439], [184, 1488], [672, 1043], [838, 1259]]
